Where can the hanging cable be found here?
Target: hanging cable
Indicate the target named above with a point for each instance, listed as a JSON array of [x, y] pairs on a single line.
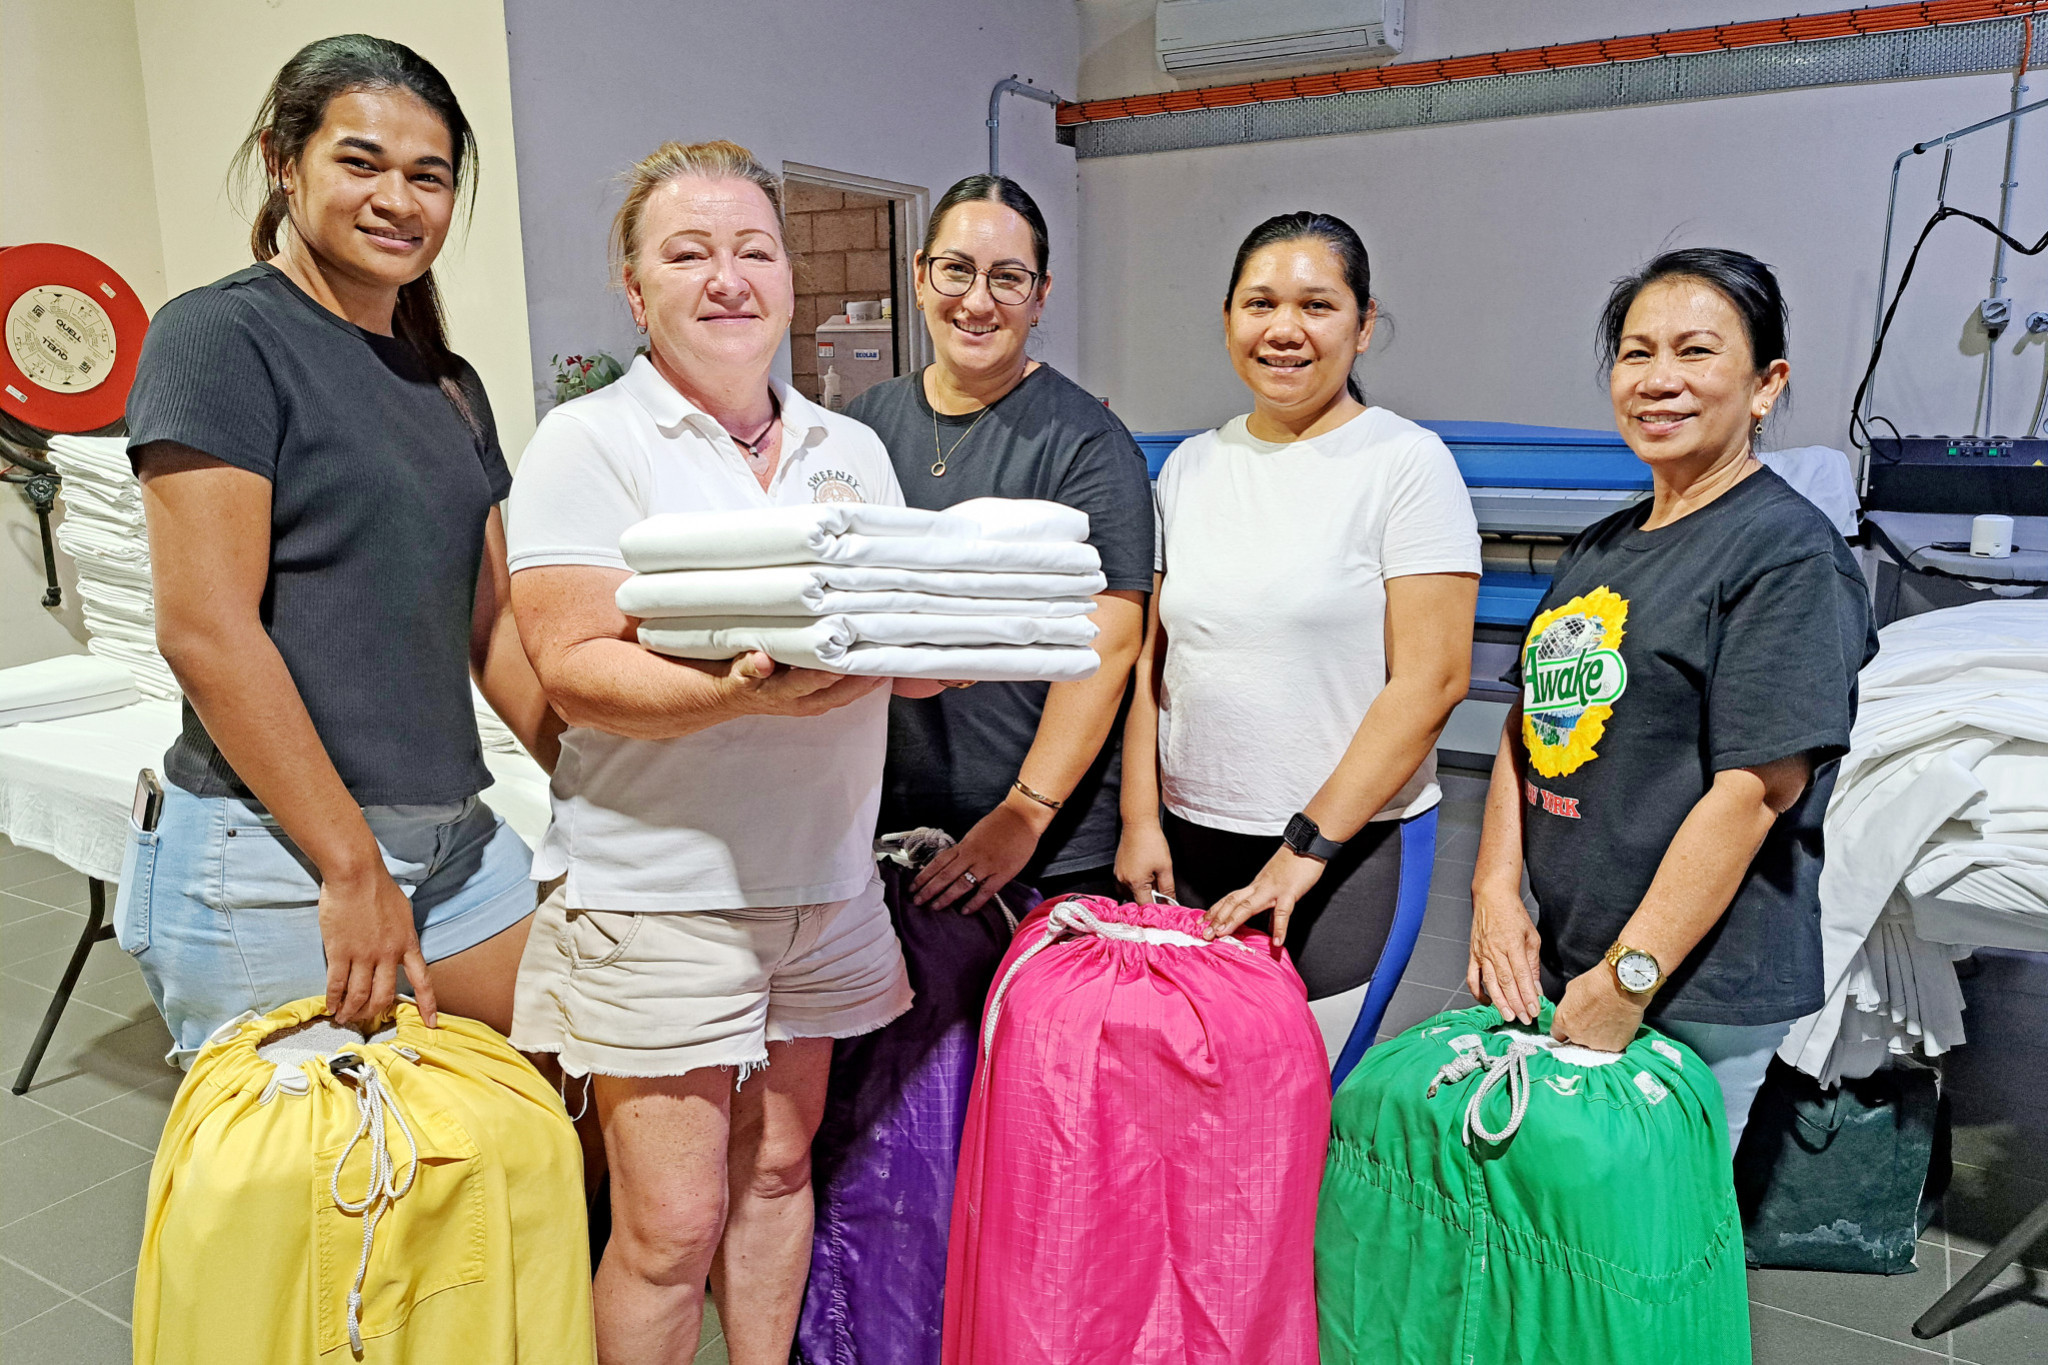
[[1859, 433]]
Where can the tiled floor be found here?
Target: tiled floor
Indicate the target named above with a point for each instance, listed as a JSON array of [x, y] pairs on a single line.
[[75, 1151]]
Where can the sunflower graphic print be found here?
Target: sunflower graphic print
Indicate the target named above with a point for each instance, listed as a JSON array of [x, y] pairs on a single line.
[[1572, 676]]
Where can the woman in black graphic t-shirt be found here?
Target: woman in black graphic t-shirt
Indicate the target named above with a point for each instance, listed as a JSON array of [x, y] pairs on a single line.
[[320, 475], [1687, 688]]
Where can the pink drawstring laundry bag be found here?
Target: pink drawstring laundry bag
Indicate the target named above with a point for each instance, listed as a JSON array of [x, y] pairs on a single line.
[[1143, 1150]]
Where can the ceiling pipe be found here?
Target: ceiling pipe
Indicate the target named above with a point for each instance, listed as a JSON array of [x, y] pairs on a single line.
[[1009, 86], [1872, 19]]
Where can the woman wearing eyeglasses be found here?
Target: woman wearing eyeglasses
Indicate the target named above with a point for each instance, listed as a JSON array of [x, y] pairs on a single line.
[[1025, 775]]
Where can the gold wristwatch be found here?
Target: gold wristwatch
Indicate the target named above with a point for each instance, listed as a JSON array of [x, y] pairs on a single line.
[[1636, 971]]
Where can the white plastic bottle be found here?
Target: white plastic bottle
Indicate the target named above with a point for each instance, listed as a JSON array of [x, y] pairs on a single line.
[[829, 388]]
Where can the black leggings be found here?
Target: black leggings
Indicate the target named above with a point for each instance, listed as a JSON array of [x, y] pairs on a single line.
[[1338, 929]]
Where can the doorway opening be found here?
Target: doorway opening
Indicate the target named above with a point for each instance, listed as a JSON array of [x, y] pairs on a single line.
[[851, 238]]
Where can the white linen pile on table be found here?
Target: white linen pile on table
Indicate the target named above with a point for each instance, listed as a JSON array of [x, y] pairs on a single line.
[[1937, 834], [68, 685], [993, 589], [103, 533]]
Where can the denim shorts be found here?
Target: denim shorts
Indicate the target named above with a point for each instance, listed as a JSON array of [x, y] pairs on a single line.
[[221, 910]]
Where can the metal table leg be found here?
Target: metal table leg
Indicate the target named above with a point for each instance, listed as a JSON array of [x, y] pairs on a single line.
[[1949, 1306], [96, 928]]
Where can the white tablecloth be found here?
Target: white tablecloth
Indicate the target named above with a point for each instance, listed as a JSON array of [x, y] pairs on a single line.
[[66, 786]]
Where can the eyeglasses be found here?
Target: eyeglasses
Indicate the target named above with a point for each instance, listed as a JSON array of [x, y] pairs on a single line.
[[954, 277]]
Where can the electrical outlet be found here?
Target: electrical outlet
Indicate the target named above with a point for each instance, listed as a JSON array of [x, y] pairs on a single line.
[[1996, 313]]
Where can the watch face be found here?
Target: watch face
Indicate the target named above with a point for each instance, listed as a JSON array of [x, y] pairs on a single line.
[[60, 338], [1636, 971]]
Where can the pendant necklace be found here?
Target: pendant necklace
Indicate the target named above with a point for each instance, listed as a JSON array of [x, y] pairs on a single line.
[[939, 466], [753, 447]]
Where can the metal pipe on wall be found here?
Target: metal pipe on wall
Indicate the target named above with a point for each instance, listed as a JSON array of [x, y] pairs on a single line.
[[1009, 86], [1997, 308]]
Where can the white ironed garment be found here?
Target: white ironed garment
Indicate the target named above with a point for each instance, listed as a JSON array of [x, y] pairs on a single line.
[[877, 628], [825, 589], [1949, 698], [752, 539], [833, 645]]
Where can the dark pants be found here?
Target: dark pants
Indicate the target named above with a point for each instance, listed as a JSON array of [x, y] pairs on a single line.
[[1338, 929]]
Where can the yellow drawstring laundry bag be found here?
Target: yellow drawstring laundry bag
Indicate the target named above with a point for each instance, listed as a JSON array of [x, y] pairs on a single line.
[[414, 1197]]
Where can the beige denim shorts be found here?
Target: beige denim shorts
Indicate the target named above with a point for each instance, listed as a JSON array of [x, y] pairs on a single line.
[[636, 993]]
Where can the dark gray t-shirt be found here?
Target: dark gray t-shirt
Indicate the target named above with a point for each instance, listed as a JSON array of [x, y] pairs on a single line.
[[953, 757], [1727, 639], [379, 494]]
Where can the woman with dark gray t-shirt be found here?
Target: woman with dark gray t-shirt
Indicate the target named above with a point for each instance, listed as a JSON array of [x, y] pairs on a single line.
[[320, 476]]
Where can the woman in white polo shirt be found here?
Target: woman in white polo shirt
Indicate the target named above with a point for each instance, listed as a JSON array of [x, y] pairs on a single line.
[[1311, 630], [721, 921]]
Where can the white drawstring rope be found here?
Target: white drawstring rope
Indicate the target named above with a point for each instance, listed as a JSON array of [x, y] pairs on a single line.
[[1511, 1066], [384, 1189], [1072, 917]]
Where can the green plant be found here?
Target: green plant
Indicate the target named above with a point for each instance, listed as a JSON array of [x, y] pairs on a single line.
[[581, 374]]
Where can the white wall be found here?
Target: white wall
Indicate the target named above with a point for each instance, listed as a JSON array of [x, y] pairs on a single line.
[[205, 67], [1494, 245], [76, 170], [896, 91]]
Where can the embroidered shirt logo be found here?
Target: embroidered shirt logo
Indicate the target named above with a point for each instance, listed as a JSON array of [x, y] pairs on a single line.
[[835, 485], [1572, 674]]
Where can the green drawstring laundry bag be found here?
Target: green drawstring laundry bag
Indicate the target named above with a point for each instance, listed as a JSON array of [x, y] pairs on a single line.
[[1494, 1197]]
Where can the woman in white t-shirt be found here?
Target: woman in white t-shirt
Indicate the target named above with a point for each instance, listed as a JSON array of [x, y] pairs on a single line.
[[1311, 629], [721, 921]]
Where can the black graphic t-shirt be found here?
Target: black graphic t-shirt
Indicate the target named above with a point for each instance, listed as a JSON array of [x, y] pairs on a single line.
[[1727, 639]]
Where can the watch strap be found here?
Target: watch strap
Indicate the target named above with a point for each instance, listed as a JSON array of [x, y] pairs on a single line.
[[1305, 837]]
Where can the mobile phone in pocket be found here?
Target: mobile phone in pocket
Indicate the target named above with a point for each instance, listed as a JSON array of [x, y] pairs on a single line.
[[149, 801]]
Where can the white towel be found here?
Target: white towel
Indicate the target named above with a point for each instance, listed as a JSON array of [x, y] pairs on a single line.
[[876, 628], [829, 589], [153, 677], [68, 685], [1022, 519], [832, 645], [86, 538], [100, 458]]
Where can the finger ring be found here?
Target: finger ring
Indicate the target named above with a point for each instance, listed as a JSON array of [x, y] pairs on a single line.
[[972, 880]]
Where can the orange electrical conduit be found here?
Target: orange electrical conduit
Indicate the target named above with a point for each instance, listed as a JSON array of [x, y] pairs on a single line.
[[1846, 23]]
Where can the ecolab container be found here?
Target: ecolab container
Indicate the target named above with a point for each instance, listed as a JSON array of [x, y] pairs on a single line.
[[863, 354]]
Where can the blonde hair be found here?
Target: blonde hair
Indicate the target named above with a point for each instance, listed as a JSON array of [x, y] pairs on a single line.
[[717, 160]]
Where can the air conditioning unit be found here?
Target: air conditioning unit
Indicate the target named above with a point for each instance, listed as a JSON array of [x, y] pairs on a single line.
[[1224, 37]]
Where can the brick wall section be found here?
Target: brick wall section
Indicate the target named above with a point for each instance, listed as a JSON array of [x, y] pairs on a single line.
[[841, 245]]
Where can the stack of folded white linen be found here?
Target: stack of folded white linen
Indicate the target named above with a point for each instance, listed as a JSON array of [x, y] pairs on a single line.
[[1937, 834], [68, 685], [994, 589], [103, 533]]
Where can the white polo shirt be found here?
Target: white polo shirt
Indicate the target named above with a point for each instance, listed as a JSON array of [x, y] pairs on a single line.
[[1275, 607], [757, 811]]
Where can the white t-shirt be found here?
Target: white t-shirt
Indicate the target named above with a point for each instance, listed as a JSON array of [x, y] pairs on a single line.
[[757, 811], [1275, 603]]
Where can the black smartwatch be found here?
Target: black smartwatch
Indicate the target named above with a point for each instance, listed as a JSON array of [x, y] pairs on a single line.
[[1306, 838]]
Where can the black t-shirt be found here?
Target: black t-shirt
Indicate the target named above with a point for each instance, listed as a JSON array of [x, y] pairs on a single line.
[[379, 494], [953, 757], [1727, 639]]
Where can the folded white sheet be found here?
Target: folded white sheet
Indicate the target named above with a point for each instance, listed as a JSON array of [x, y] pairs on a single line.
[[101, 458], [88, 538], [829, 589], [881, 628], [997, 534], [832, 644], [153, 677], [68, 685], [653, 546]]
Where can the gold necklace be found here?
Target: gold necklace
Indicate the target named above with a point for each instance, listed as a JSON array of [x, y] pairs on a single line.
[[939, 466]]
